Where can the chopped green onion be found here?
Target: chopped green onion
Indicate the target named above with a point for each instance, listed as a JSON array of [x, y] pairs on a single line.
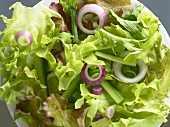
[[115, 94], [52, 82], [110, 57], [73, 24], [72, 87], [40, 67]]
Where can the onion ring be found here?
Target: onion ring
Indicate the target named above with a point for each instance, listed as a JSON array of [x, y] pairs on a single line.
[[89, 80], [92, 8], [23, 38], [142, 72]]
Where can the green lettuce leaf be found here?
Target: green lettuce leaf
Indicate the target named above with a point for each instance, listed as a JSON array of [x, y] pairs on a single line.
[[130, 122], [97, 103], [118, 31], [149, 21], [10, 93], [164, 77], [142, 102], [102, 123], [133, 15], [67, 73], [18, 62], [146, 48], [135, 28], [36, 20]]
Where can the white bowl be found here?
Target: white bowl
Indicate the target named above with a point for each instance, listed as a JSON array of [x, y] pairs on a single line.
[[135, 3]]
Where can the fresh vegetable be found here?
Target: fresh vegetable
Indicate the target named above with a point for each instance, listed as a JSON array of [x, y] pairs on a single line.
[[117, 68], [40, 67], [66, 77], [110, 112], [138, 31], [95, 9], [59, 56], [73, 86], [19, 75], [97, 90], [70, 9], [115, 94], [97, 117], [57, 48], [23, 38], [90, 80], [52, 82]]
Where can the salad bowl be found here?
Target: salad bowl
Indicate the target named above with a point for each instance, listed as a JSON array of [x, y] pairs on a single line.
[[135, 3]]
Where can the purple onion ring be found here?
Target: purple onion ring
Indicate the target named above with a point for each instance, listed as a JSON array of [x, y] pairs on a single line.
[[97, 90], [23, 35], [89, 80], [92, 8]]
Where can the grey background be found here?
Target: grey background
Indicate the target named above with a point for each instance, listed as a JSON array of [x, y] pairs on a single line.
[[160, 8]]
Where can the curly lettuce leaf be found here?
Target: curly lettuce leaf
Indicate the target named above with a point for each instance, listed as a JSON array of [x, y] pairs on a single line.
[[130, 122], [96, 102], [15, 58], [164, 77], [133, 14], [36, 20], [149, 21], [141, 102], [24, 85], [55, 107], [29, 111], [67, 73], [10, 93], [52, 114]]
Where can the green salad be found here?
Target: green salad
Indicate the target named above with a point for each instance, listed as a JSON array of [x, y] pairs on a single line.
[[85, 64]]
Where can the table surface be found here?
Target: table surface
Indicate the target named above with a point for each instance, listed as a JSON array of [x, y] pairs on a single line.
[[159, 7]]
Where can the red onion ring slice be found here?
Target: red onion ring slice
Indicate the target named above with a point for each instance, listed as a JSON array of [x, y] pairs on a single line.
[[92, 8], [92, 81], [97, 90], [59, 56], [23, 38]]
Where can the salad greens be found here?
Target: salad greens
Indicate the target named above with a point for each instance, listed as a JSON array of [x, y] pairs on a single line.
[[64, 99], [70, 9], [18, 62]]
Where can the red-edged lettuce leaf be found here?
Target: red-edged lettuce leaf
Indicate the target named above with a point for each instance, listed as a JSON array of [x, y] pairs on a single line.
[[53, 114], [64, 21], [164, 75], [55, 108], [29, 111]]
